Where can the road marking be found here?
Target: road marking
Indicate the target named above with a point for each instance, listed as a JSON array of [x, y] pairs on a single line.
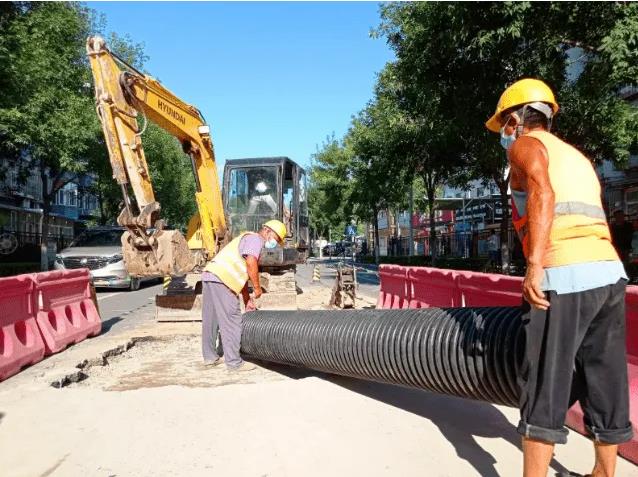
[[102, 297]]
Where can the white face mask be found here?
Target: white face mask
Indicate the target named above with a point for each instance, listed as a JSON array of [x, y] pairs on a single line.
[[270, 243], [507, 141]]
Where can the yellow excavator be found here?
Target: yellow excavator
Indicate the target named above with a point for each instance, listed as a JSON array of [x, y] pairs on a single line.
[[255, 190]]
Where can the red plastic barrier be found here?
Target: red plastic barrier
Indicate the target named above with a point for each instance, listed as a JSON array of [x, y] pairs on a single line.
[[487, 289], [629, 450], [20, 340], [631, 305], [433, 287], [394, 290], [67, 313]]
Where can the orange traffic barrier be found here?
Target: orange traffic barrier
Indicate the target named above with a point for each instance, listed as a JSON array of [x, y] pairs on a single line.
[[67, 312], [394, 289], [20, 340], [433, 287]]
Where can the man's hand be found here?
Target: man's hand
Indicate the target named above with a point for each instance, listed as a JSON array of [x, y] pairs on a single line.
[[257, 292], [532, 287], [250, 305]]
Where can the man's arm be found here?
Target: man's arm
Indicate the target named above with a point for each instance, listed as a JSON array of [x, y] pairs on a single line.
[[530, 163], [253, 274]]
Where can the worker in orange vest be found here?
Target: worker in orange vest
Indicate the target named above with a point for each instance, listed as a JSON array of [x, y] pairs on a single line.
[[574, 287]]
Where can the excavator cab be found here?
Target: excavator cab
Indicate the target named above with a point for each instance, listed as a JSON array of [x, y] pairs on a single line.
[[256, 190]]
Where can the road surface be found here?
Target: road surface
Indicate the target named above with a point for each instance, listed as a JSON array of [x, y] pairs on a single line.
[[146, 407], [121, 309]]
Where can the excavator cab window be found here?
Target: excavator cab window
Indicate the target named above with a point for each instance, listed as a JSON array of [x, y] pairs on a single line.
[[302, 219], [252, 197]]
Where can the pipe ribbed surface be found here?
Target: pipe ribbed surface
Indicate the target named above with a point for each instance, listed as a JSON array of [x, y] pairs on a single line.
[[465, 352]]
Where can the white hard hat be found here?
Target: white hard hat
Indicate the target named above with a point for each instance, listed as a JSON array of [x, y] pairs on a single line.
[[261, 187]]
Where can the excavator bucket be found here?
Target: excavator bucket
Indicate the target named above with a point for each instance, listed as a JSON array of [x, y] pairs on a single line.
[[168, 255]]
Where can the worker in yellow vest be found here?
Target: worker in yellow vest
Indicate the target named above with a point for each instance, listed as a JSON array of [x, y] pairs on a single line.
[[574, 287], [224, 279]]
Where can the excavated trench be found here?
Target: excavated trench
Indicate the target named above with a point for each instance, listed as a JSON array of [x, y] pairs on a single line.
[[156, 361]]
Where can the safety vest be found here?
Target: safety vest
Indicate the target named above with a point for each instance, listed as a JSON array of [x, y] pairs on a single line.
[[579, 232], [229, 266]]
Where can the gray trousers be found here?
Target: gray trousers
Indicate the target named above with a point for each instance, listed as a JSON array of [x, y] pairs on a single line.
[[220, 311]]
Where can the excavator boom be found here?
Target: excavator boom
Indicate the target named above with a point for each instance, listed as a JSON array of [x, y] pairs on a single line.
[[122, 93]]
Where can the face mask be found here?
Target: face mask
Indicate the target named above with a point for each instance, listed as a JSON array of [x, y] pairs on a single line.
[[507, 141], [270, 243]]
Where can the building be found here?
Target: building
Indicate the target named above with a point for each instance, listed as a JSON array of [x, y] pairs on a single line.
[[620, 185], [21, 202]]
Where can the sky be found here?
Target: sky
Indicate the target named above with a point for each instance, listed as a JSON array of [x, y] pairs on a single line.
[[271, 79]]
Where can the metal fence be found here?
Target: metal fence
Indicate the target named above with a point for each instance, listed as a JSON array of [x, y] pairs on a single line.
[[455, 244], [24, 246]]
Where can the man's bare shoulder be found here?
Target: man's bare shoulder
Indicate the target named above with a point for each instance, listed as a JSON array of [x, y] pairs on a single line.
[[528, 154]]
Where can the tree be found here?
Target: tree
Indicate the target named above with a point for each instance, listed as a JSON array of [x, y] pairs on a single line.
[[45, 115], [380, 170], [330, 187], [457, 58]]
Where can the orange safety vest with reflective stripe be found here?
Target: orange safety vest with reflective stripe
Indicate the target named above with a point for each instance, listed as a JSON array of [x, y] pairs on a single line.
[[579, 232], [229, 266]]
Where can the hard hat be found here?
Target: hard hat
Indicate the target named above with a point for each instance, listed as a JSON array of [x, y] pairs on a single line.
[[524, 91], [278, 227]]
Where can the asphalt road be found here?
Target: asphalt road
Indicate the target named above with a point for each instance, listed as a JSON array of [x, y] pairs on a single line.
[[367, 276], [123, 310]]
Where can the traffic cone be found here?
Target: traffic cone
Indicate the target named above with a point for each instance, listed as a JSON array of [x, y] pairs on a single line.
[[316, 274]]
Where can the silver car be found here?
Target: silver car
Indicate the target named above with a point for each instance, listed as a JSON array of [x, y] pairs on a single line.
[[99, 249]]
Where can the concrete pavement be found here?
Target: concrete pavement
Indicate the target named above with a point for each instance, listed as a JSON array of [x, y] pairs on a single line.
[[146, 407]]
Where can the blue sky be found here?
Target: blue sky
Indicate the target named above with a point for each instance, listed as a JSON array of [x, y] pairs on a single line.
[[272, 79]]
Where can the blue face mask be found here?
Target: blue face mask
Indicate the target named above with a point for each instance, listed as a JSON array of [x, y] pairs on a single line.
[[270, 243], [507, 141]]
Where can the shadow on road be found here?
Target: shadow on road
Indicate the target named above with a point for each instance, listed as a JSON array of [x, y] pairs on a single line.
[[1, 416], [108, 324], [459, 420]]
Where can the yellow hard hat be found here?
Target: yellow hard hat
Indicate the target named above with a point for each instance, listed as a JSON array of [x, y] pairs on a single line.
[[278, 227], [524, 91]]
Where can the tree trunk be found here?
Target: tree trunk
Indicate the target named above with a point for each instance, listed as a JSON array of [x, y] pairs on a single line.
[[433, 249], [376, 236], [100, 198], [411, 213], [44, 220], [504, 232]]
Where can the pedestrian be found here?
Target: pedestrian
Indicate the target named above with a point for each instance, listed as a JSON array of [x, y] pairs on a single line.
[[622, 233], [574, 287], [224, 279], [492, 249]]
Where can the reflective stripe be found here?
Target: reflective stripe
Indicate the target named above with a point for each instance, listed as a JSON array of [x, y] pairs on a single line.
[[579, 208], [569, 208]]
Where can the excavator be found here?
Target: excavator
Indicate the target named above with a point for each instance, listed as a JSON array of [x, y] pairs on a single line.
[[255, 190]]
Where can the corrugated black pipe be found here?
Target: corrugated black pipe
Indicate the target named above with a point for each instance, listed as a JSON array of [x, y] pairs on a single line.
[[465, 352]]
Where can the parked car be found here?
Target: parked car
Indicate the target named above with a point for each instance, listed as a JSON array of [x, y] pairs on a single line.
[[99, 249]]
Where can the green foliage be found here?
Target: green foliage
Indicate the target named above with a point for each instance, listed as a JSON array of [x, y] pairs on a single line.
[[46, 102], [330, 188], [172, 176], [47, 113], [465, 54]]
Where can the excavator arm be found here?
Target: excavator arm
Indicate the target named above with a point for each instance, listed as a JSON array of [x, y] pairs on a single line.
[[121, 96]]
